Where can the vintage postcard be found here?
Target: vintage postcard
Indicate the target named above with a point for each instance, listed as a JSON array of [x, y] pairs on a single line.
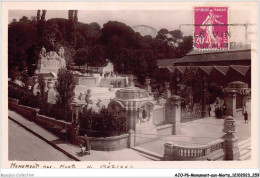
[[124, 84]]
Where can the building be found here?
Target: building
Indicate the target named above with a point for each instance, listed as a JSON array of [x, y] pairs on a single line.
[[220, 66]]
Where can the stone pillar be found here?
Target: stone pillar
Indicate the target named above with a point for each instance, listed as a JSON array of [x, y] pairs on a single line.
[[231, 141], [173, 110], [76, 108], [203, 112], [131, 141], [168, 151], [74, 131], [230, 100]]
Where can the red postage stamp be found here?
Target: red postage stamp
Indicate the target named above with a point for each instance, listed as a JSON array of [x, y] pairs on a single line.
[[211, 28]]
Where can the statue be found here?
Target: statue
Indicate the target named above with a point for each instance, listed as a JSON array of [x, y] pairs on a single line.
[[35, 87], [51, 61], [81, 97], [88, 96], [43, 51], [167, 93], [61, 52], [99, 104]]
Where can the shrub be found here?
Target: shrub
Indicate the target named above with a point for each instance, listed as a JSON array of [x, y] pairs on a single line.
[[14, 92], [56, 111], [65, 87], [103, 124], [28, 99]]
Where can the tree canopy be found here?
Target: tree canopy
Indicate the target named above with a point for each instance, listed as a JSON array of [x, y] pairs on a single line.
[[92, 44]]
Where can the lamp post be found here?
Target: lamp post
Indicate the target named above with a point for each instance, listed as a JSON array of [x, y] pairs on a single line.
[[203, 112]]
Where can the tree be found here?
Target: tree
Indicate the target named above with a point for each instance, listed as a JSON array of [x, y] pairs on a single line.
[[42, 92], [41, 23], [97, 56], [82, 56], [65, 87]]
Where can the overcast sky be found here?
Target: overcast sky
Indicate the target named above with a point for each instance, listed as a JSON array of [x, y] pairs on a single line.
[[158, 19]]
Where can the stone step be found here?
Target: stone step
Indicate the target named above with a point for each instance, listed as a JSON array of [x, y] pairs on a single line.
[[245, 149], [217, 155], [245, 155], [149, 154], [244, 144]]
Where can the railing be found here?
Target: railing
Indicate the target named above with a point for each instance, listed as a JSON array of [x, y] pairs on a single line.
[[178, 152]]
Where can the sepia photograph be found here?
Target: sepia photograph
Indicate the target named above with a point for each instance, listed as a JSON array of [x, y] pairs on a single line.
[[131, 85]]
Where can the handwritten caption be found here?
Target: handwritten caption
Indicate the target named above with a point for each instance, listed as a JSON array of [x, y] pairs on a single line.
[[67, 166]]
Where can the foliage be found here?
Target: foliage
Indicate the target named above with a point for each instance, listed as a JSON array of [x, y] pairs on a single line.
[[65, 87], [41, 87], [56, 111], [90, 44], [103, 124], [28, 99], [14, 91]]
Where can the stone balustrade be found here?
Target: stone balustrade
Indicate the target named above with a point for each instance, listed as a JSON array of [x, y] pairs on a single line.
[[181, 153]]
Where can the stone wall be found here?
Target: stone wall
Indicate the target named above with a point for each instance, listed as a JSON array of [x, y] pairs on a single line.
[[107, 143], [158, 115], [50, 122], [86, 81], [69, 130], [165, 130], [27, 112]]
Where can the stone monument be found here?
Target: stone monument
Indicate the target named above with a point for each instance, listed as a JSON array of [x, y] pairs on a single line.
[[50, 62]]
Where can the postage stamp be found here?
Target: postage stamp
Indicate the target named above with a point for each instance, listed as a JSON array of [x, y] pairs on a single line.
[[211, 28]]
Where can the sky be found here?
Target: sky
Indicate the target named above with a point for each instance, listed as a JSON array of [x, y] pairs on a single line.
[[158, 19]]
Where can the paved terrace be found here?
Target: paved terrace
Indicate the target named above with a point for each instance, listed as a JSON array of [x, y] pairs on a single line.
[[197, 132]]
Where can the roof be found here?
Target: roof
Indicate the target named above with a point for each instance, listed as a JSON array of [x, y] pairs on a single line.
[[212, 56], [206, 69], [181, 69], [166, 62], [241, 69], [222, 69]]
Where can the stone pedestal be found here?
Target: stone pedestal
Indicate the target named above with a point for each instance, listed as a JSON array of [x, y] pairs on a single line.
[[51, 94], [231, 147], [168, 151], [131, 139], [173, 113], [73, 134], [231, 141], [76, 108], [230, 99]]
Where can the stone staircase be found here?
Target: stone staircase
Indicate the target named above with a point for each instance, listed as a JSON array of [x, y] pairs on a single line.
[[148, 154], [245, 149]]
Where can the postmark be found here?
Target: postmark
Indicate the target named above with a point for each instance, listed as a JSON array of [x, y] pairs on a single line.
[[211, 28]]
